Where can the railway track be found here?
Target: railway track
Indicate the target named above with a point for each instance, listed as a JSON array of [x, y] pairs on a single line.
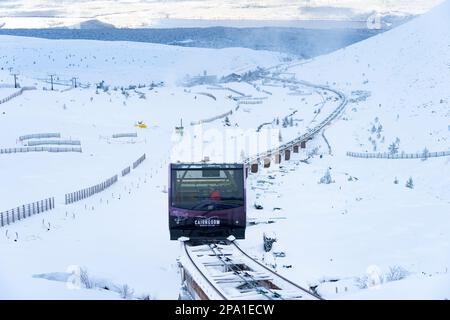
[[312, 132], [223, 271]]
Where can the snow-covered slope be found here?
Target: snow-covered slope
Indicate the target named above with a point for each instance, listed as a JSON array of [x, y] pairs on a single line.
[[361, 230], [121, 63], [407, 73], [354, 229], [127, 239]]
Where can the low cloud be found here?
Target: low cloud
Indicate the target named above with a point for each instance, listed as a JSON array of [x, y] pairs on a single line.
[[37, 13], [327, 11]]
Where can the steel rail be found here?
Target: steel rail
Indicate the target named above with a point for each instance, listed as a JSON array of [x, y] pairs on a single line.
[[201, 273], [276, 274], [252, 284]]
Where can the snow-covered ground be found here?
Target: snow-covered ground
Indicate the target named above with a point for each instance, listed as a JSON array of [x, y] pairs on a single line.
[[362, 230], [351, 232], [121, 63], [120, 236]]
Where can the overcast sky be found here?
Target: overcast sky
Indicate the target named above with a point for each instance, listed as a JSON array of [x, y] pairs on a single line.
[[145, 12]]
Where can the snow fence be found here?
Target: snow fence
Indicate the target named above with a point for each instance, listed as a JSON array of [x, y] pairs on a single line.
[[385, 155]]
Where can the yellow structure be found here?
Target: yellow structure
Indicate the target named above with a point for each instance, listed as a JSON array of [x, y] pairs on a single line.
[[141, 125]]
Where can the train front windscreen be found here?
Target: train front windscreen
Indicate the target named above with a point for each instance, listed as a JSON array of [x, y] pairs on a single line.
[[207, 201], [207, 189]]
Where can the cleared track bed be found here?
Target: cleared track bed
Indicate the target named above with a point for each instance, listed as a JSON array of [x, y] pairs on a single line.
[[223, 271]]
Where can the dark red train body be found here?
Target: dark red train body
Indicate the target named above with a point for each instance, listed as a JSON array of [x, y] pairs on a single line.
[[207, 201]]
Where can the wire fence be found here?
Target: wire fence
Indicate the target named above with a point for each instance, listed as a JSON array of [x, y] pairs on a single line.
[[126, 171], [402, 155], [125, 135], [24, 211], [40, 149], [16, 94], [89, 192], [228, 89], [57, 142], [139, 161], [250, 102], [220, 116], [207, 94], [40, 136], [272, 85], [12, 96], [254, 98], [236, 92], [217, 88], [27, 210]]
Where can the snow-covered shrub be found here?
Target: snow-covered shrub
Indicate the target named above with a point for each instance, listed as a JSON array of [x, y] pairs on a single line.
[[380, 128], [393, 148], [395, 180], [396, 273], [85, 280], [425, 154], [269, 239], [126, 292], [372, 278], [410, 183], [326, 179], [362, 282]]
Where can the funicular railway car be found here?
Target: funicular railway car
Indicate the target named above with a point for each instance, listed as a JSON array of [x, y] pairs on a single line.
[[207, 201]]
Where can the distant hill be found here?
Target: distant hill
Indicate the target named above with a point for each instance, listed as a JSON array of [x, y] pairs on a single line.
[[93, 24], [305, 43]]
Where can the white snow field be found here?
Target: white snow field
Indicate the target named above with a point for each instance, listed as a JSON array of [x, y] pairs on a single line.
[[360, 237], [122, 63], [348, 234]]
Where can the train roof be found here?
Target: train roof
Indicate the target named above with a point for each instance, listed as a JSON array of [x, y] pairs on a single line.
[[203, 165]]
